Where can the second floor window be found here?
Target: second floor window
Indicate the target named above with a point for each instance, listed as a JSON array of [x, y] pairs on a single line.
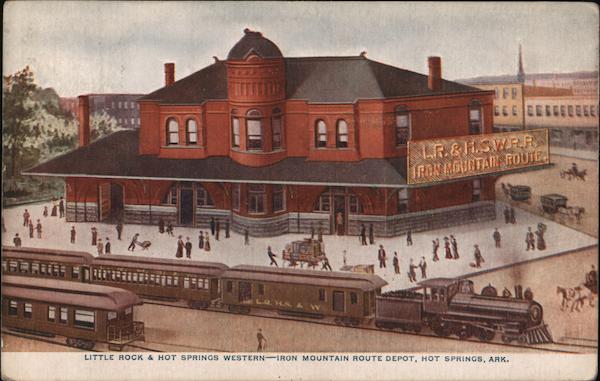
[[276, 126], [402, 126], [530, 110], [548, 110], [475, 118], [514, 93], [570, 110], [321, 135], [172, 131], [191, 132], [563, 111], [254, 130], [555, 110], [504, 111], [514, 110], [341, 138], [235, 132], [505, 92], [497, 110], [538, 110]]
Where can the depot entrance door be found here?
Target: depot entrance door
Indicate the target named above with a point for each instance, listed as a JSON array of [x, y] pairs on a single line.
[[186, 206]]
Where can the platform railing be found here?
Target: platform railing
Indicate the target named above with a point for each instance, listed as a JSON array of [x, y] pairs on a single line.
[[126, 334]]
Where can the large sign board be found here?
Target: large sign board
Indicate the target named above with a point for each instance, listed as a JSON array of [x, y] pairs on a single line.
[[435, 160]]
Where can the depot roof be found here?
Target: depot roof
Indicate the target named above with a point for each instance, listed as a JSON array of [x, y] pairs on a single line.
[[116, 156]]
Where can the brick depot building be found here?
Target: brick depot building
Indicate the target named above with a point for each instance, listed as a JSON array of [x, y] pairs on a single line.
[[279, 144]]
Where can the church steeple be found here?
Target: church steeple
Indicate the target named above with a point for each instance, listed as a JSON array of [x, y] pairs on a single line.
[[521, 73]]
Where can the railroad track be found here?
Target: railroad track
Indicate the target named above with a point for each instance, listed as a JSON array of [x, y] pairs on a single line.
[[556, 347]]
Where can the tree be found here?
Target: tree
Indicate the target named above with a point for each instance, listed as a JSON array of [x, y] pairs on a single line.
[[19, 109]]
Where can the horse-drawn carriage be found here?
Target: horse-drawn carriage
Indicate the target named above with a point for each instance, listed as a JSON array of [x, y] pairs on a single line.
[[309, 251], [517, 192], [573, 173], [555, 205]]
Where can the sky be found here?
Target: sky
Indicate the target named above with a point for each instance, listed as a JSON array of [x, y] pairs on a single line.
[[82, 47]]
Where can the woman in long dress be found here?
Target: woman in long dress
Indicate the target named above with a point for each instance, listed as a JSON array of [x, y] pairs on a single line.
[[541, 243], [54, 206], [206, 243], [447, 248]]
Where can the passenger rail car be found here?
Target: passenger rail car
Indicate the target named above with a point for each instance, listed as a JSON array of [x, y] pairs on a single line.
[[46, 263], [450, 306], [85, 314], [168, 279], [349, 298]]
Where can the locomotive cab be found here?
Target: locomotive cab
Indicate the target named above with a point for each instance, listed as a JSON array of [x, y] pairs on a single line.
[[437, 293]]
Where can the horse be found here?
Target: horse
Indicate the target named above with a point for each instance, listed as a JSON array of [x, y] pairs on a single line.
[[583, 293], [568, 294]]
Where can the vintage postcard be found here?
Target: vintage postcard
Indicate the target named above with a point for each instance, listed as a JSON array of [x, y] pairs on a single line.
[[299, 191]]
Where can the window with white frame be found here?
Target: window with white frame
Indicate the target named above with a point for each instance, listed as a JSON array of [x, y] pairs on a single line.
[[475, 118], [278, 198], [64, 315], [277, 129], [235, 129], [514, 93], [203, 199], [323, 203], [476, 190], [13, 308], [514, 110], [530, 110], [321, 134], [563, 111], [191, 132], [84, 319], [256, 198], [341, 134], [402, 125], [172, 132], [538, 110], [51, 313], [254, 130], [504, 110], [403, 200], [27, 310]]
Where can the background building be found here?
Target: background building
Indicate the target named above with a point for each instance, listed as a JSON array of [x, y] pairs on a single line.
[[122, 107]]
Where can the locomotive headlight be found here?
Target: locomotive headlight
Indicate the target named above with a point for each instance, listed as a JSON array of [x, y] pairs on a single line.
[[535, 313]]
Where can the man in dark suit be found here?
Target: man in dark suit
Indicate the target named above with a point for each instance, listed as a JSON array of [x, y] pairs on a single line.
[[188, 247], [218, 230], [61, 207], [212, 226], [381, 256], [371, 235], [363, 235]]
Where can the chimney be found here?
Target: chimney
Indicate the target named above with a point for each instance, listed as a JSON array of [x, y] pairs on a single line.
[[169, 73], [434, 81], [84, 120]]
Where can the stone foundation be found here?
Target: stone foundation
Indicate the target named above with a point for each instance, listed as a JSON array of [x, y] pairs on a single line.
[[81, 212], [149, 215]]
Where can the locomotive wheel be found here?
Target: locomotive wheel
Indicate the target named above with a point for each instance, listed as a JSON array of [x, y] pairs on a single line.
[[441, 329], [485, 335], [464, 332], [522, 339], [506, 339]]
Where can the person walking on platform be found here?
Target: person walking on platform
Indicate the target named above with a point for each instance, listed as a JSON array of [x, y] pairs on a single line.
[[246, 237], [262, 341], [454, 247], [100, 247], [396, 263], [31, 229], [409, 241], [188, 248], [227, 229], [212, 226], [170, 231], [506, 215], [206, 242], [94, 236], [513, 219], [497, 238], [447, 248], [371, 235], [17, 240], [201, 240], [133, 242], [38, 229], [412, 275], [217, 229], [530, 240], [161, 225], [73, 234], [180, 247], [26, 218], [363, 235], [478, 257], [423, 267], [381, 256], [45, 213], [272, 257], [61, 207], [436, 246], [119, 230]]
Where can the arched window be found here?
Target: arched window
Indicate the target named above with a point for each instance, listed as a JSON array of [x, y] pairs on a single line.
[[170, 197], [277, 128], [172, 131], [203, 199], [235, 129], [254, 130], [402, 125], [321, 134], [341, 134], [191, 132], [475, 118]]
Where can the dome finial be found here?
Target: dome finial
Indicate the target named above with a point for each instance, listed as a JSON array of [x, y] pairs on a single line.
[[247, 30]]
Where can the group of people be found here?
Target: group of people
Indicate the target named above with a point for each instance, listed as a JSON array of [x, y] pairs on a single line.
[[203, 237], [531, 238], [412, 275], [35, 230], [509, 215]]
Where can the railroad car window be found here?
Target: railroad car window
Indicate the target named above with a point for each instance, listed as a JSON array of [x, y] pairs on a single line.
[[64, 314], [55, 270], [12, 307], [169, 281], [442, 295], [162, 280], [146, 277], [84, 319], [24, 267], [206, 283], [43, 268], [176, 281], [186, 282], [4, 266], [261, 289], [62, 271], [75, 272], [321, 295], [128, 310], [157, 280], [112, 315], [35, 268], [152, 278], [95, 274], [13, 266], [229, 286], [129, 276], [51, 313], [118, 275], [114, 275], [134, 276], [104, 277], [27, 310], [123, 276], [434, 294], [194, 285], [353, 298]]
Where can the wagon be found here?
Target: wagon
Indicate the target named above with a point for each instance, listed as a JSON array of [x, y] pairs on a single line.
[[552, 202], [306, 251], [520, 192]]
